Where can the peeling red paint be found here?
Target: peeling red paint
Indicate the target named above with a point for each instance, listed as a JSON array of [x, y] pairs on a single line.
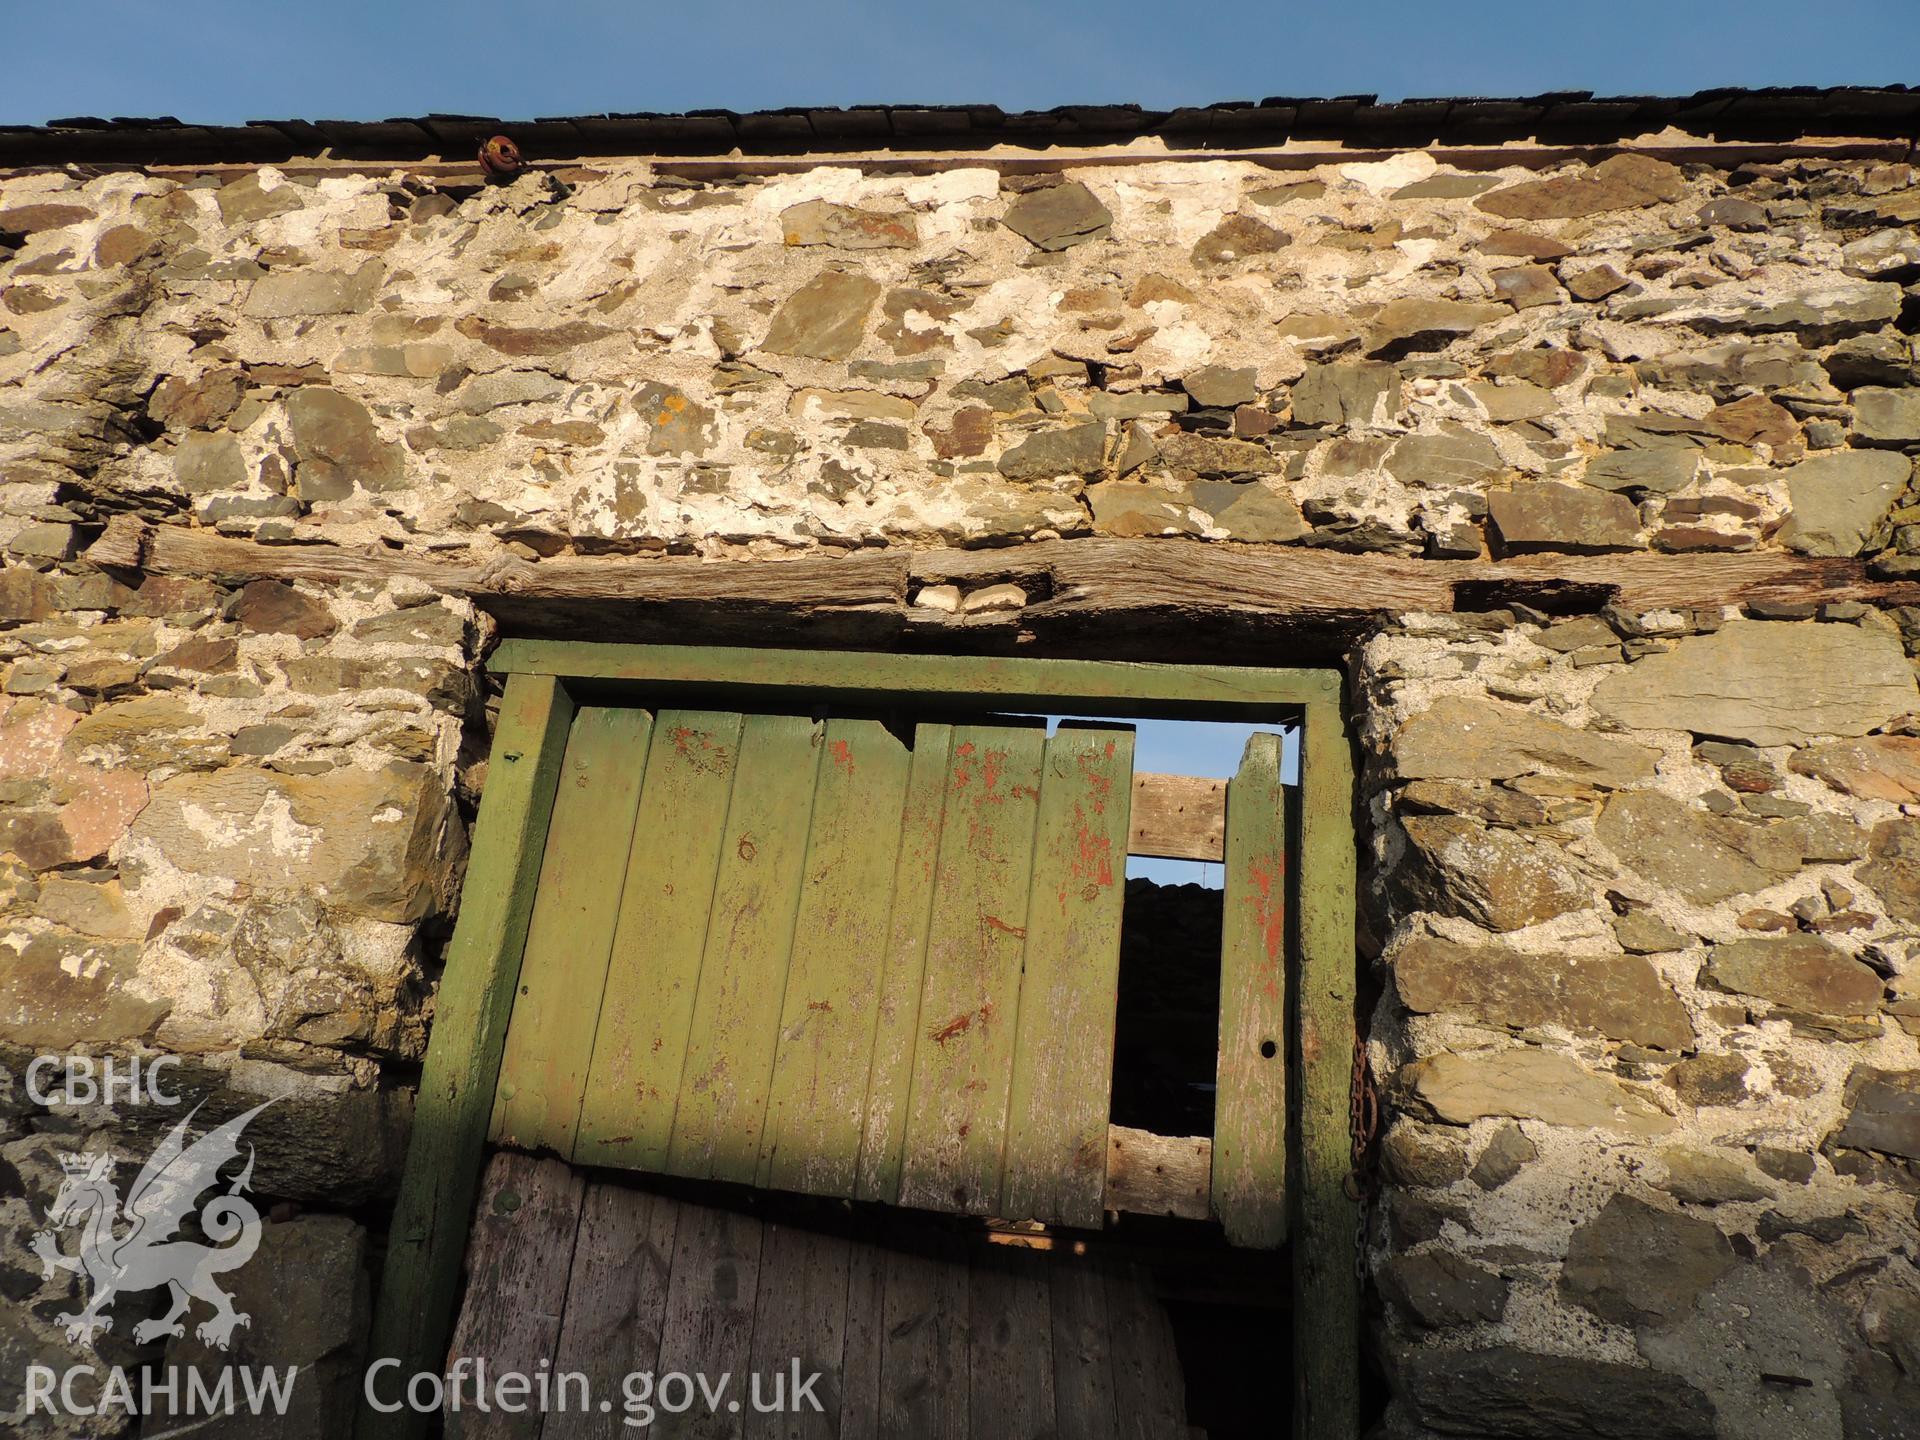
[[993, 765], [959, 1025], [842, 755], [696, 747], [994, 922]]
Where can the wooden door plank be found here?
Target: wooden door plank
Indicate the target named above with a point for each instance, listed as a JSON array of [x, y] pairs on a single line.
[[709, 1321], [865, 1340], [1326, 1294], [1250, 1101], [903, 966], [811, 1142], [653, 974], [1012, 1356], [800, 1319], [1149, 1174], [1178, 817], [1149, 1395], [516, 1288], [1082, 1351], [616, 1304], [924, 1363], [756, 893], [969, 1010], [543, 1073], [432, 1216], [1055, 1167]]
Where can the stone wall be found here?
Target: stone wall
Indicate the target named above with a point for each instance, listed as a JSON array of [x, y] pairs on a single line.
[[1643, 886]]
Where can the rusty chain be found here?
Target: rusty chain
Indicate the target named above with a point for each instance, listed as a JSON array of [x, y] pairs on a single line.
[[1363, 1127]]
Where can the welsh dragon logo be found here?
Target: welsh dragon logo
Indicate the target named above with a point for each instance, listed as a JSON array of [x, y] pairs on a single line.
[[132, 1247]]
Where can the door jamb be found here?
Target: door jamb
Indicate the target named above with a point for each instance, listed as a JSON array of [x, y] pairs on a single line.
[[414, 1314]]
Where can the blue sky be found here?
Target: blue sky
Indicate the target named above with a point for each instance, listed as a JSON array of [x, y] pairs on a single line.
[[223, 61]]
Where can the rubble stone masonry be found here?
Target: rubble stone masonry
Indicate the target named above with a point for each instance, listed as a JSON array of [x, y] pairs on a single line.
[[1642, 886]]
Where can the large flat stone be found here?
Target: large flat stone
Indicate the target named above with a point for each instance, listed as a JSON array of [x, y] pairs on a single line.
[[1415, 324], [1451, 458], [246, 200], [1130, 508], [1708, 1177], [60, 991], [1506, 1393], [1701, 857], [1883, 1112], [1462, 737], [1837, 501], [1802, 972], [1211, 455], [1236, 238], [1873, 767], [1489, 875], [93, 804], [338, 446], [1058, 217], [282, 294], [1625, 182], [1893, 872], [1883, 416], [1257, 510], [1543, 515], [524, 340], [329, 1138], [207, 464], [1437, 1288], [1823, 310], [1075, 450], [507, 387], [1769, 683], [676, 425], [371, 843], [49, 215], [846, 227], [825, 319], [1768, 1351], [1618, 996], [305, 1293], [1633, 1264], [1660, 471], [1529, 1084]]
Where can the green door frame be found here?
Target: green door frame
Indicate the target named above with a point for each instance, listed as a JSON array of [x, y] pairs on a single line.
[[414, 1313]]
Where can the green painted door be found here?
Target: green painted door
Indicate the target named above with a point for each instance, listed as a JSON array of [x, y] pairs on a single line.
[[828, 957]]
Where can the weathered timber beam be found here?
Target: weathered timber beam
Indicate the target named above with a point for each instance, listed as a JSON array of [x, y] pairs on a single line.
[[1150, 1174], [1178, 817], [623, 598], [1136, 599], [1146, 575], [1297, 155]]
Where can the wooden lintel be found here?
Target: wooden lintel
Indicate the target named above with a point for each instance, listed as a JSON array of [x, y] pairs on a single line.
[[1012, 159], [1137, 599], [1178, 817]]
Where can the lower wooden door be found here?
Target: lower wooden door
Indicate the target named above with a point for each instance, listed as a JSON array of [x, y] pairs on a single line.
[[915, 1332]]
